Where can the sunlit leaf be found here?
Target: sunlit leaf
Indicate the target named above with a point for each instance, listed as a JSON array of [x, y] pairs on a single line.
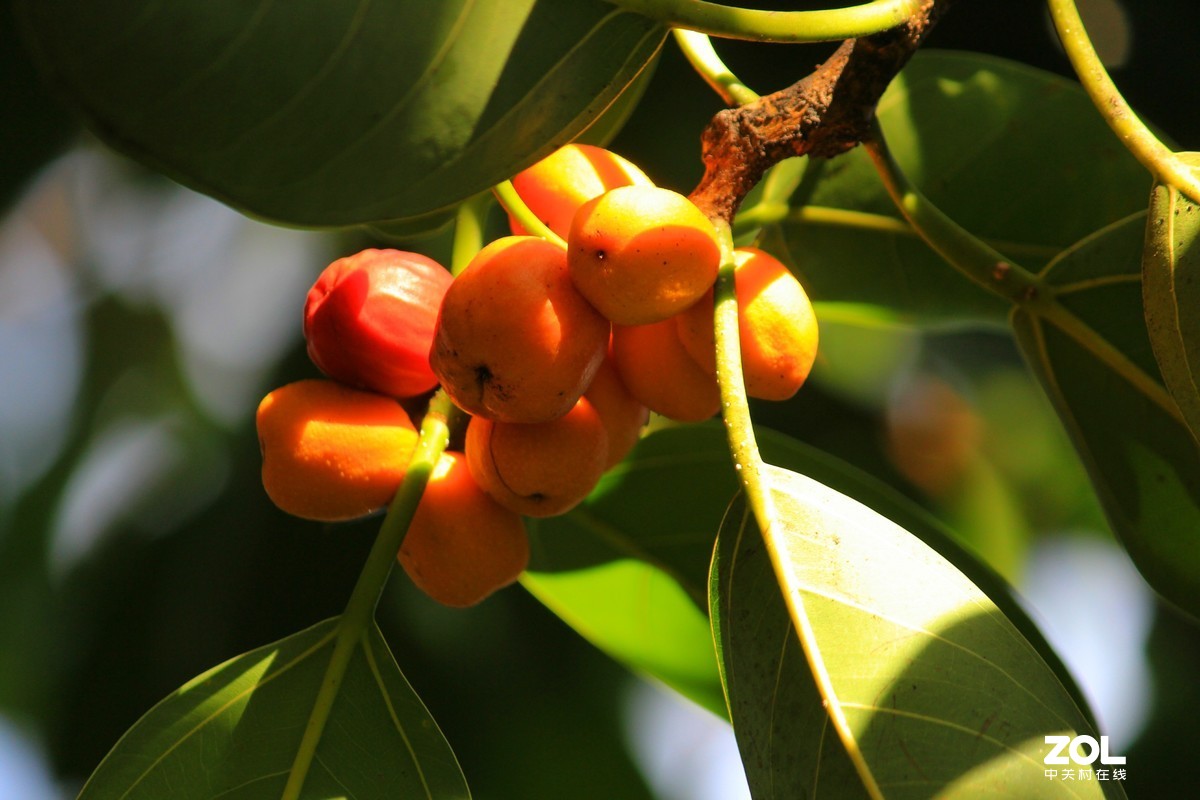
[[938, 693], [343, 112], [622, 568], [993, 143], [1143, 462], [233, 732], [1171, 294], [643, 618], [662, 505]]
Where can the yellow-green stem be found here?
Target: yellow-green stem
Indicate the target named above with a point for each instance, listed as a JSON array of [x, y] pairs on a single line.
[[360, 609], [1165, 165], [513, 204], [469, 225], [770, 213], [776, 26], [699, 51], [739, 428], [968, 254], [979, 262]]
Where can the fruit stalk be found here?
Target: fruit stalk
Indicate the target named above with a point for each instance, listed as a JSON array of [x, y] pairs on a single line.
[[735, 406], [699, 51], [469, 224], [513, 204], [360, 609]]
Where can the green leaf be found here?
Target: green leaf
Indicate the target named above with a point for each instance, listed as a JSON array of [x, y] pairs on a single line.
[[643, 618], [233, 732], [1171, 294], [1100, 373], [36, 128], [661, 505], [351, 112], [935, 691], [632, 551], [638, 550], [1017, 156]]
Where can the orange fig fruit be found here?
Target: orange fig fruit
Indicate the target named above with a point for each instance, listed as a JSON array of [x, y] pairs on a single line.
[[641, 254], [331, 452], [514, 340]]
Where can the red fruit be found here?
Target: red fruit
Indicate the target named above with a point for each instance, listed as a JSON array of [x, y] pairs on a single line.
[[369, 320]]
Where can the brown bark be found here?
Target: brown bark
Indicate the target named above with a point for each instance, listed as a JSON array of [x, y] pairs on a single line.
[[824, 114]]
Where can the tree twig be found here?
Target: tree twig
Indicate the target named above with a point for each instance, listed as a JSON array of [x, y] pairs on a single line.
[[824, 114]]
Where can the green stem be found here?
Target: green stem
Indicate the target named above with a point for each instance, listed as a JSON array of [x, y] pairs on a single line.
[[360, 609], [1089, 339], [699, 51], [776, 26], [513, 204], [1165, 165], [782, 181], [968, 254], [978, 261], [469, 225], [739, 428], [769, 213]]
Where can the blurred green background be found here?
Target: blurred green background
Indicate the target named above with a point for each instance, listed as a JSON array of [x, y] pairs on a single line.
[[140, 323]]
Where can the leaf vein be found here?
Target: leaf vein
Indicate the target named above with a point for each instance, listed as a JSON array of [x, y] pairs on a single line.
[[387, 699], [320, 644], [919, 630]]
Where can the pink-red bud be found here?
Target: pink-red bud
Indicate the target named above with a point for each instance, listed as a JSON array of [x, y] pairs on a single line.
[[369, 320]]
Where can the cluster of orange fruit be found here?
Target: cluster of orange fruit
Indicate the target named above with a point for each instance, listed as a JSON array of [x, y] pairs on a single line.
[[557, 354]]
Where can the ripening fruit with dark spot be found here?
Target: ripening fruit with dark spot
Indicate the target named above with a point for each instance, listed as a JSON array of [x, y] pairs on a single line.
[[658, 371], [514, 340], [461, 545], [777, 327], [542, 469], [641, 254], [555, 187], [331, 452], [369, 319]]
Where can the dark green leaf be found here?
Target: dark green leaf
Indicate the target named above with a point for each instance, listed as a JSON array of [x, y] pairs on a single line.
[[344, 112], [938, 692], [1013, 154], [1139, 454], [233, 732], [35, 127]]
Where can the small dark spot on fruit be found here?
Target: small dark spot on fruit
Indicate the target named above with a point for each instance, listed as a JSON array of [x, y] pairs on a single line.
[[601, 255]]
